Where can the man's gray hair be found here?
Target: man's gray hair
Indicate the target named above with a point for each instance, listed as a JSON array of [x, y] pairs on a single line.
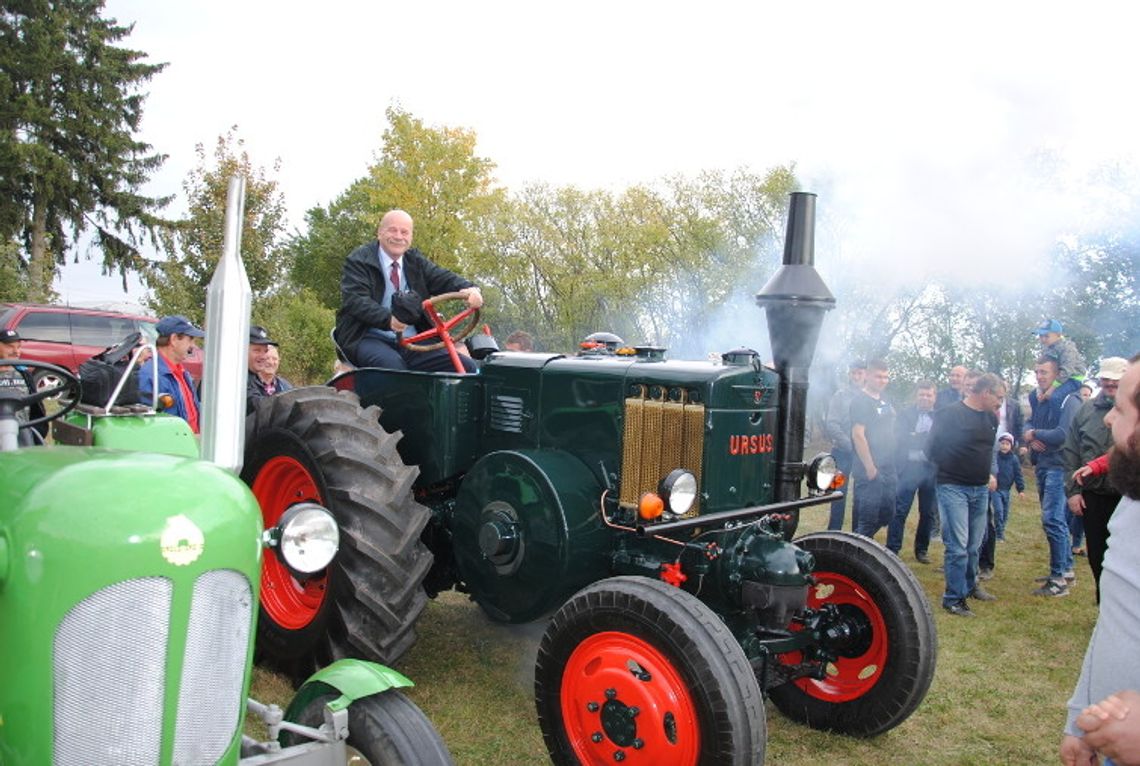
[[989, 383]]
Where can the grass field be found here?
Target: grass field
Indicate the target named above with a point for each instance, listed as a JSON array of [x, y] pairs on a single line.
[[998, 695]]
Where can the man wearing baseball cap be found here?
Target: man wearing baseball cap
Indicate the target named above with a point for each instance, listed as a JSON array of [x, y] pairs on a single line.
[[263, 363], [177, 336], [1088, 437], [20, 380]]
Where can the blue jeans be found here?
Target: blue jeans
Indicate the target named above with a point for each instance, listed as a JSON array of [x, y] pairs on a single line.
[[916, 478], [1000, 500], [874, 503], [963, 510], [1076, 527], [843, 462], [1051, 493]]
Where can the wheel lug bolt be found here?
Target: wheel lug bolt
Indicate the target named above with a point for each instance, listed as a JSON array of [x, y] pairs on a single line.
[[619, 755], [596, 736], [592, 707], [638, 743], [634, 712], [611, 694]]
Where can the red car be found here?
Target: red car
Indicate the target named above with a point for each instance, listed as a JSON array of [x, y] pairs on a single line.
[[67, 336]]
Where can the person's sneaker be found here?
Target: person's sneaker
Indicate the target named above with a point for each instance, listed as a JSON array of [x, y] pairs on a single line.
[[1052, 588], [959, 609], [986, 574], [922, 558], [981, 594], [1070, 577]]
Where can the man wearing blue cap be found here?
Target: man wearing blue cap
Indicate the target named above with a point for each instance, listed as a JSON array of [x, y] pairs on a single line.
[[1070, 364], [177, 336]]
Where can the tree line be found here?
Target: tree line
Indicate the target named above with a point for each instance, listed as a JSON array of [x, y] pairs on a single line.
[[664, 263]]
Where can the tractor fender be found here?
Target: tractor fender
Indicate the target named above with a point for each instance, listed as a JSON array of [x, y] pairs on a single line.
[[352, 679], [528, 532]]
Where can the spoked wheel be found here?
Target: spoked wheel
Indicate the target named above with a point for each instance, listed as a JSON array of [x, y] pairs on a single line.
[[636, 671], [879, 645], [386, 729], [448, 332], [317, 445]]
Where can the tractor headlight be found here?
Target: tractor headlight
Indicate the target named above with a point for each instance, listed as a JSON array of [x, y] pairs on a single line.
[[678, 491], [822, 473], [306, 538]]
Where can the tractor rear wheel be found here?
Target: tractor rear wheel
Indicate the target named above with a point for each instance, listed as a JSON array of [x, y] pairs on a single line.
[[318, 445], [385, 729], [885, 651], [631, 669]]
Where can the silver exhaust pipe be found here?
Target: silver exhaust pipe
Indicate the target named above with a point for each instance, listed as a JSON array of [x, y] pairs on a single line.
[[228, 300]]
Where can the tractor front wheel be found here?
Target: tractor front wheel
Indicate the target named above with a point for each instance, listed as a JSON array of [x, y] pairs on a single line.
[[631, 669], [317, 445], [385, 729], [879, 649]]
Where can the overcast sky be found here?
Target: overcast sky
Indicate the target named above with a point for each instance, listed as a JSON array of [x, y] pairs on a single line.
[[927, 128]]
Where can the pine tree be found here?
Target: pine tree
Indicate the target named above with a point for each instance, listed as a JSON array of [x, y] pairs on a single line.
[[70, 105]]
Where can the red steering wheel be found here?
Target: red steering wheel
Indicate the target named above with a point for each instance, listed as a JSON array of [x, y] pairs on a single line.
[[444, 329]]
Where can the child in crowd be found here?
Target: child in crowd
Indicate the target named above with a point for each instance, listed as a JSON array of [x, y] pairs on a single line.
[[1071, 366], [1008, 474]]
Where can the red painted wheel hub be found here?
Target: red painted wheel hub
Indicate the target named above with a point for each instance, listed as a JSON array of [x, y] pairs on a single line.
[[292, 604], [620, 694], [848, 678]]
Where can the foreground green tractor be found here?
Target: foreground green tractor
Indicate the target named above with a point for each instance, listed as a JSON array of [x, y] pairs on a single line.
[[129, 579], [648, 504]]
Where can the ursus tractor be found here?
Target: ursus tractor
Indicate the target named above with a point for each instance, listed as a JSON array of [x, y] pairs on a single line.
[[647, 504]]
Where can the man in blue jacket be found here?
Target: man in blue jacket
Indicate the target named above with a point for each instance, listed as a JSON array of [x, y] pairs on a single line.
[[1045, 436], [177, 335]]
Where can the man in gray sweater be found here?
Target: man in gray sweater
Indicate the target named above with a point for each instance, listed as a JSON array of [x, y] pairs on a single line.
[[1095, 724]]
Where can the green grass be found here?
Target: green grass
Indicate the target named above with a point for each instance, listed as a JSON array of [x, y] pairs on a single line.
[[998, 695]]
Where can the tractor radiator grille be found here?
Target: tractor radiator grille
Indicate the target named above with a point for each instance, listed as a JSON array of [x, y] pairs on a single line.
[[109, 668], [210, 704], [657, 437]]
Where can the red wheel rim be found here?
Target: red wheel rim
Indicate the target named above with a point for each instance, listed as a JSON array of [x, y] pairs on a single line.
[[847, 678], [609, 675], [291, 604]]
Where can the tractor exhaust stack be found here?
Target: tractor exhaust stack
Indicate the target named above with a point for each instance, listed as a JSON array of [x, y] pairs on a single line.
[[795, 300]]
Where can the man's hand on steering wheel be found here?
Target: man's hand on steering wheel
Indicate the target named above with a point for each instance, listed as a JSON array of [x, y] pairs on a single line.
[[474, 297]]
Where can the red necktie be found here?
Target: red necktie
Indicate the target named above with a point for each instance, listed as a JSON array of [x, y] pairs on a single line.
[[395, 276]]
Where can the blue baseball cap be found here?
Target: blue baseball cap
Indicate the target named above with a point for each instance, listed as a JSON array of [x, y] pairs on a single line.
[[178, 324], [1048, 326]]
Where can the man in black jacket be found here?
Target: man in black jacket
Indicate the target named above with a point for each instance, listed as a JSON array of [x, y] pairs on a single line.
[[373, 273]]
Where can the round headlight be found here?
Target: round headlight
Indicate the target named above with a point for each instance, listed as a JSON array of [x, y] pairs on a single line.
[[679, 491], [821, 472], [307, 538]]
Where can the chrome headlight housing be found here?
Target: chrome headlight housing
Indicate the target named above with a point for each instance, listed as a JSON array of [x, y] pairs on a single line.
[[822, 472], [678, 491], [306, 538]]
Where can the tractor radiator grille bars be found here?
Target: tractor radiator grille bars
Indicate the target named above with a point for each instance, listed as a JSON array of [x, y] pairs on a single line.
[[110, 665], [659, 436], [210, 703]]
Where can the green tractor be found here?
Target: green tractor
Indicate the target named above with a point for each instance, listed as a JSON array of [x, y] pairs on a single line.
[[129, 575], [648, 504]]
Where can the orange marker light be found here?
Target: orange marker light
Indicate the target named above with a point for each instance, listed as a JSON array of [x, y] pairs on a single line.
[[650, 506], [165, 401], [838, 481]]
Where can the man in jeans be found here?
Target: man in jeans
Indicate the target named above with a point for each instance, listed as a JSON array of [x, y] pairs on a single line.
[[1045, 437], [961, 445], [873, 437], [838, 428], [916, 472]]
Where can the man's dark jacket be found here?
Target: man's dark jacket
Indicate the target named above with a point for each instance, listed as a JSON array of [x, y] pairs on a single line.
[[1088, 438], [362, 287]]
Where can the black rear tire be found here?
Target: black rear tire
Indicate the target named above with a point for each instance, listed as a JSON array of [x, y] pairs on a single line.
[[336, 453], [387, 729], [876, 685], [635, 666]]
